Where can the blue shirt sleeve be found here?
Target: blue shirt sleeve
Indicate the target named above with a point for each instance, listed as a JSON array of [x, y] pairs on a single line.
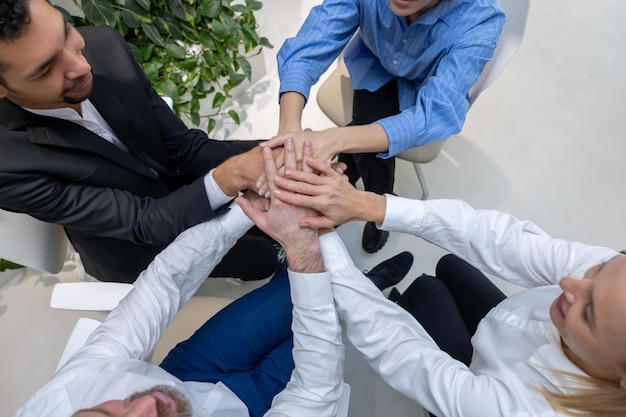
[[323, 35], [441, 104]]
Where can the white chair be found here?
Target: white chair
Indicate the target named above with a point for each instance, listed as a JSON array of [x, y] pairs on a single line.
[[92, 296], [82, 330], [31, 242], [344, 402], [335, 95]]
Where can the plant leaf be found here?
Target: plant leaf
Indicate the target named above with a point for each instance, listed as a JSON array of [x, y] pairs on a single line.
[[218, 100], [5, 264], [211, 125], [254, 5], [145, 4], [168, 87], [99, 12], [175, 50], [151, 69], [130, 19], [182, 10], [210, 8], [153, 34], [235, 116], [146, 52], [245, 66]]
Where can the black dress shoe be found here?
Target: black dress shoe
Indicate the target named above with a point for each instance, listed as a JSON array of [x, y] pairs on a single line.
[[394, 295], [391, 271], [373, 238]]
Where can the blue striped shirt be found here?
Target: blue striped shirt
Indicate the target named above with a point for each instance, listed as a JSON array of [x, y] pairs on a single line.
[[436, 59]]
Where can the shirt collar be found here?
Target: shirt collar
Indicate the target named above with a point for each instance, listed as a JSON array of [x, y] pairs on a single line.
[[65, 113], [549, 360], [442, 11]]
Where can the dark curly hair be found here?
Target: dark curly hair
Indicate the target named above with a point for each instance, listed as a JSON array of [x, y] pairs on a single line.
[[14, 18]]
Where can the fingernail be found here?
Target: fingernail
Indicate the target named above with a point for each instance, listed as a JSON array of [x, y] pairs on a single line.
[[278, 179], [289, 172], [266, 150], [570, 297], [277, 192]]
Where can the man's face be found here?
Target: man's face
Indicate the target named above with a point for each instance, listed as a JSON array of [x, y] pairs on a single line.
[[46, 67], [411, 9], [158, 401], [589, 316]]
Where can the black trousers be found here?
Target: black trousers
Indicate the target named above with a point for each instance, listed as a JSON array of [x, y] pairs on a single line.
[[451, 304], [378, 174], [252, 258]]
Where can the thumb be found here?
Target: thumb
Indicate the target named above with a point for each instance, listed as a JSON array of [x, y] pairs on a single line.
[[252, 212], [316, 223]]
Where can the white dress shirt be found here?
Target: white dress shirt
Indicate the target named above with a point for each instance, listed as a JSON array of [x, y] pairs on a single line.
[[515, 345], [112, 363]]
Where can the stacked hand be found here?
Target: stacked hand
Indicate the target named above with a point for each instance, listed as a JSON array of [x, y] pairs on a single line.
[[328, 192], [282, 219]]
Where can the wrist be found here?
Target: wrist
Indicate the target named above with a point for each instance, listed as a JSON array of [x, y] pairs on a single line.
[[333, 140], [304, 255], [371, 207], [228, 176]]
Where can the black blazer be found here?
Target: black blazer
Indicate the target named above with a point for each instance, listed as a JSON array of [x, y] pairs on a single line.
[[119, 209]]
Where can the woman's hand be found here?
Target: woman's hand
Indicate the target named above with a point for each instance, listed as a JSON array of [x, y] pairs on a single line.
[[329, 194]]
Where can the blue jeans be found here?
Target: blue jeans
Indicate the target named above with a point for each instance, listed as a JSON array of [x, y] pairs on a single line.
[[247, 346]]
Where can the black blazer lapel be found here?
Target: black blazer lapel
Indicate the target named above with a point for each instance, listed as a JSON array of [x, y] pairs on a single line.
[[51, 131], [124, 121]]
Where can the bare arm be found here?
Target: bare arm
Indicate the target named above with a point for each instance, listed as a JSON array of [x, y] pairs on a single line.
[[291, 106]]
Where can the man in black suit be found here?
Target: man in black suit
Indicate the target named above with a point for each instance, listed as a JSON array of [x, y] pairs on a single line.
[[87, 143]]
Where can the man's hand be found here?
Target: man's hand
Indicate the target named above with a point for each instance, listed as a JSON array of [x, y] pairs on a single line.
[[329, 194], [240, 172], [281, 220]]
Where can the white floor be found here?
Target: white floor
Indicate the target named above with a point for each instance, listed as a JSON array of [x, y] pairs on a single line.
[[545, 142]]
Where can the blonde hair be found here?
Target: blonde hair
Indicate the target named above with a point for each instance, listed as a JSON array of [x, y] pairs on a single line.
[[592, 397]]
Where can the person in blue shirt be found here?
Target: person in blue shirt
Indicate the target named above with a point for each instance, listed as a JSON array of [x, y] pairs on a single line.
[[411, 63]]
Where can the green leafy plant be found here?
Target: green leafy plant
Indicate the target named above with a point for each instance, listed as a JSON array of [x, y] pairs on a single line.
[[4, 265], [189, 49]]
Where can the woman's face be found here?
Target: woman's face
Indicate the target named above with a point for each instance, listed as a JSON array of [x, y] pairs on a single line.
[[590, 316], [411, 9]]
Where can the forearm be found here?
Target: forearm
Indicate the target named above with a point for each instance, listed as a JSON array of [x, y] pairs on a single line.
[[354, 139], [366, 138], [291, 106], [304, 256], [369, 207]]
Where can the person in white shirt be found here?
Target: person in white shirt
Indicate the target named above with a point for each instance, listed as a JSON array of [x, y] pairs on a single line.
[[556, 348], [110, 377]]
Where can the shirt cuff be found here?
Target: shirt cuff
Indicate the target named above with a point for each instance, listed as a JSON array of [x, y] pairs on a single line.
[[293, 81], [214, 193], [310, 291], [334, 252], [403, 215], [235, 222]]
